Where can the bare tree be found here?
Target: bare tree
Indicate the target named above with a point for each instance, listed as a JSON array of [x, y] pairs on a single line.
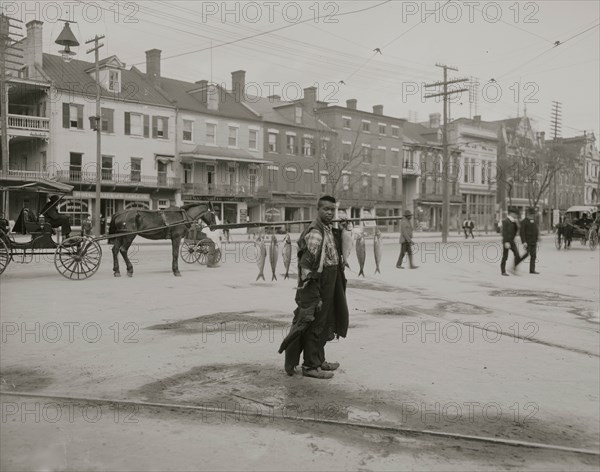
[[346, 164]]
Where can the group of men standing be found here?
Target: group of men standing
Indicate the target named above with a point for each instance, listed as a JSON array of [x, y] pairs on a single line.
[[529, 233]]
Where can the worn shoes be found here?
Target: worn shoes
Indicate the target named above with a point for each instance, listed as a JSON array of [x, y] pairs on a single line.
[[330, 365], [317, 373]]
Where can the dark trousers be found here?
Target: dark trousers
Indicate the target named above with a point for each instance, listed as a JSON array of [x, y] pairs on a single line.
[[312, 341], [531, 253], [467, 232], [63, 221], [405, 248], [515, 251]]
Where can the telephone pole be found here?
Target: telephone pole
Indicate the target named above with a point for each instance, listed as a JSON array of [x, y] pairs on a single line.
[[556, 125], [445, 177], [98, 125]]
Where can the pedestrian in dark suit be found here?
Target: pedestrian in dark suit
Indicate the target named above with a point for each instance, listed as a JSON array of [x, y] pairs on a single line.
[[510, 228], [529, 237]]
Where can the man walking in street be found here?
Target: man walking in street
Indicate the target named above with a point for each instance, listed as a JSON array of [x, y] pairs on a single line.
[[406, 233], [322, 312], [468, 226], [510, 228], [529, 237]]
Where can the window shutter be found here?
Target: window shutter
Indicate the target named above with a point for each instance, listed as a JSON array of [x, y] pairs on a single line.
[[111, 120], [146, 126], [166, 127], [66, 115], [154, 127], [127, 123], [79, 116]]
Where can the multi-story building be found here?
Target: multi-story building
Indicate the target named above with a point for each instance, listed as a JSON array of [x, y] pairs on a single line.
[[517, 171], [28, 132], [299, 147], [478, 145], [423, 175], [578, 184], [568, 186], [137, 141], [366, 155], [218, 144]]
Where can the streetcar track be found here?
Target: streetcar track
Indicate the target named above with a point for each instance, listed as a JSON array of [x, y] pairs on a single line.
[[404, 431]]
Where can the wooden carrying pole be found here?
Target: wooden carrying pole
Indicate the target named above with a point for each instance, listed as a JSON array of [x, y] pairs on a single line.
[[260, 224]]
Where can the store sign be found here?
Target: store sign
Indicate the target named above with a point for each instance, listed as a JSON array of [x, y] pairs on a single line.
[[114, 195], [73, 206], [200, 198]]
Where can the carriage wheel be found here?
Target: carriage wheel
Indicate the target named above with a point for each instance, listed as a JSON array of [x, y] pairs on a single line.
[[558, 241], [593, 240], [78, 258], [204, 249], [5, 256], [188, 253]]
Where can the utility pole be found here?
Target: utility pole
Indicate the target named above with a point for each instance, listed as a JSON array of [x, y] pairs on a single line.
[[555, 123], [98, 125], [445, 177]]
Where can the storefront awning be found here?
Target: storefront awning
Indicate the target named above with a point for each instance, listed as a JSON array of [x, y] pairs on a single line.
[[41, 186], [165, 159], [215, 153]]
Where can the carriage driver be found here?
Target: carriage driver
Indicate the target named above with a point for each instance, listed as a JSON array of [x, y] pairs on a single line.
[[55, 218]]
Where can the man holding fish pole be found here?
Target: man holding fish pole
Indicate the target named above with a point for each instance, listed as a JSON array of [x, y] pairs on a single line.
[[322, 312]]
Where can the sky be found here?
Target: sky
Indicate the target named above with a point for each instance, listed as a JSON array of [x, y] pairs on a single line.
[[510, 48]]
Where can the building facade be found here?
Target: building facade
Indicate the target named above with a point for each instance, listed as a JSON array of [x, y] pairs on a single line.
[[218, 146], [298, 147], [366, 161], [477, 175], [138, 166], [423, 175]]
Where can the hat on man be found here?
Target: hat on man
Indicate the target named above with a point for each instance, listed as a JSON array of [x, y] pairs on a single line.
[[514, 210], [531, 211], [407, 213]]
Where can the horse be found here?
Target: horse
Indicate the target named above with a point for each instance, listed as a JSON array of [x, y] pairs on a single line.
[[171, 223]]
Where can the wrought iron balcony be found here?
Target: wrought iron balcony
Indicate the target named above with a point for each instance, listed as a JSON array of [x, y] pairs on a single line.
[[225, 190], [132, 179]]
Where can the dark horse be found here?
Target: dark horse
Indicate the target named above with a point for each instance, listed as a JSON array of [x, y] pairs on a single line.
[[172, 223]]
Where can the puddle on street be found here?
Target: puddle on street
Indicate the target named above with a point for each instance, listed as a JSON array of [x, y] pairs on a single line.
[[23, 380], [463, 308], [227, 321], [392, 312]]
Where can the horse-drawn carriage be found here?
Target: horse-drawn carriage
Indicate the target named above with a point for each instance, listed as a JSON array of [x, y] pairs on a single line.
[[78, 257], [75, 258], [578, 222], [201, 245]]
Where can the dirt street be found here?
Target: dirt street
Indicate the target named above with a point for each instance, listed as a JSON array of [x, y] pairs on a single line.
[[451, 347]]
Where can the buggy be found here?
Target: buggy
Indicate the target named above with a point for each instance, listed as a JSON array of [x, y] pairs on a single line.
[[578, 222]]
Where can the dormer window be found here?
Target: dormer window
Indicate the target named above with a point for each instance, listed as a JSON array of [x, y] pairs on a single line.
[[114, 81], [298, 115]]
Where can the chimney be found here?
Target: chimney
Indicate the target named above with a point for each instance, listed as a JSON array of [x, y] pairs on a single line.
[[378, 109], [212, 95], [153, 65], [434, 120], [351, 104], [238, 84], [274, 97], [32, 50], [310, 95], [203, 92], [477, 119]]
